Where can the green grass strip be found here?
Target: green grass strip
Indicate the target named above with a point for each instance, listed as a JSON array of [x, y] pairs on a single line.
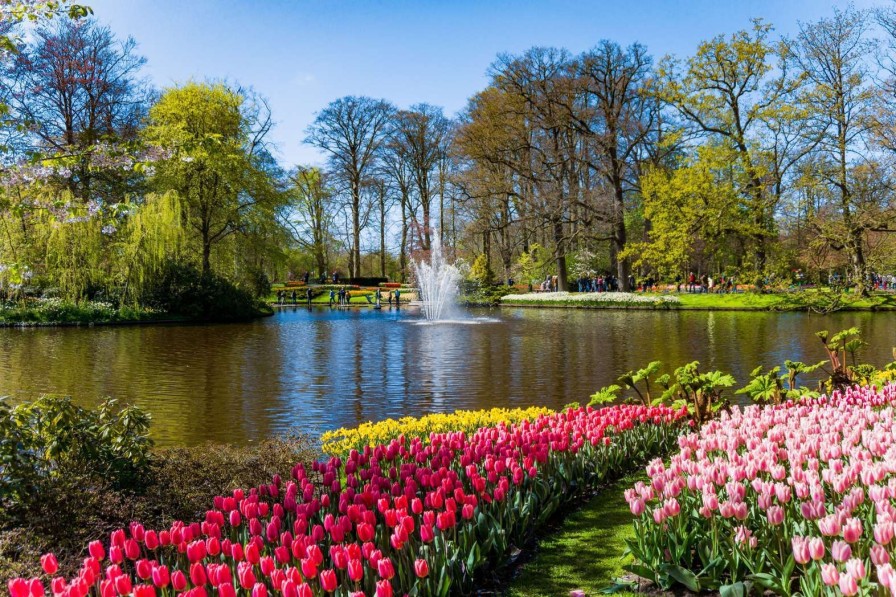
[[585, 551]]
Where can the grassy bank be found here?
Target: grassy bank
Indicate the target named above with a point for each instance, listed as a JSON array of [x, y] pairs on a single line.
[[585, 551], [55, 312], [819, 301]]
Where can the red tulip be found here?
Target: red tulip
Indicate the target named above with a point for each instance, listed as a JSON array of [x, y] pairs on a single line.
[[309, 568], [123, 584], [252, 554], [383, 589], [328, 580], [197, 574], [95, 548], [355, 570], [421, 568], [246, 575], [107, 588], [160, 576], [178, 581], [49, 563], [116, 554], [144, 591], [143, 569], [36, 588], [385, 568], [57, 585], [303, 590], [18, 587], [259, 590], [132, 549]]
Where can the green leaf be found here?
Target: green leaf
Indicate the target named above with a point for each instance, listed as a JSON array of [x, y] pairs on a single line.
[[683, 576], [737, 589]]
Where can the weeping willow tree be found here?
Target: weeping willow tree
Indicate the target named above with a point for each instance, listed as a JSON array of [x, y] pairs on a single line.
[[76, 260], [152, 236], [82, 251]]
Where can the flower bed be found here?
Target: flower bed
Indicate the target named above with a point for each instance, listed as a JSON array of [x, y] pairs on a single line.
[[405, 517], [792, 497], [591, 299], [341, 441]]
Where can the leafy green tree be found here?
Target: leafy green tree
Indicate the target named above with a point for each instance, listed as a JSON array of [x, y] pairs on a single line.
[[216, 163], [737, 94]]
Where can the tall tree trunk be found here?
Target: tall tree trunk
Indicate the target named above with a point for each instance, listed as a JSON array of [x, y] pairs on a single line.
[[382, 236], [623, 266], [562, 277], [355, 253], [403, 250]]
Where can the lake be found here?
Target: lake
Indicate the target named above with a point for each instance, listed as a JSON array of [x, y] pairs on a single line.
[[316, 370]]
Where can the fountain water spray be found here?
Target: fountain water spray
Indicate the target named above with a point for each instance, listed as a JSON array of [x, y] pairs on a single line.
[[438, 282]]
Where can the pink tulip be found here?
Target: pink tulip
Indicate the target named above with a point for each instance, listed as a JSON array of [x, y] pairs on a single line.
[[800, 550], [830, 575]]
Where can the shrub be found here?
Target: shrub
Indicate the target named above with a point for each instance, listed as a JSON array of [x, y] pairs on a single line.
[[52, 440], [182, 289]]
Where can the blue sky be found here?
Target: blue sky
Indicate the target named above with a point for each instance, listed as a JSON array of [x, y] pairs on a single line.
[[303, 54]]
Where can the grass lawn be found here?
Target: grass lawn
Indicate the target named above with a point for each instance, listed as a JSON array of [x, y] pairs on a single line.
[[810, 299], [585, 552]]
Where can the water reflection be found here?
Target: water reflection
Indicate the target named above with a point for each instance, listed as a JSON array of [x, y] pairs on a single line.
[[327, 368]]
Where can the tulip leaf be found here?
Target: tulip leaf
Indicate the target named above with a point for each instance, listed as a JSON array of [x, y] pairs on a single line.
[[737, 589], [684, 577]]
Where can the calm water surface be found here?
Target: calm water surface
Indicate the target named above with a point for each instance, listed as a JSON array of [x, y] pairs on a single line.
[[322, 369]]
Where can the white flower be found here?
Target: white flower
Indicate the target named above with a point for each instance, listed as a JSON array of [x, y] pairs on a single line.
[[590, 298]]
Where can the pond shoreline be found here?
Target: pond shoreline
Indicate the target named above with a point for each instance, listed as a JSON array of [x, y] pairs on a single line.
[[673, 307]]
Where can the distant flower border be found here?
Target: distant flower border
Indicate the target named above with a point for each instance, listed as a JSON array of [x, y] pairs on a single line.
[[609, 299]]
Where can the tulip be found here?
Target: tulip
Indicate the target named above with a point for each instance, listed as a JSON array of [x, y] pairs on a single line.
[[355, 570], [385, 569], [830, 575], [18, 587], [178, 581], [852, 530], [246, 575], [421, 568], [197, 574], [309, 568], [328, 580], [160, 576], [800, 550], [49, 564], [848, 585], [816, 548], [259, 590], [95, 548], [383, 588], [123, 584], [841, 551], [226, 590]]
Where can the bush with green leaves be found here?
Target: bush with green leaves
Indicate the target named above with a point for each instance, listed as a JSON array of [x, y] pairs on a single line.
[[53, 438], [183, 290]]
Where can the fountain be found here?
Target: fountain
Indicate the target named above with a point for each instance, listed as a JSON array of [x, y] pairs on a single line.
[[438, 282]]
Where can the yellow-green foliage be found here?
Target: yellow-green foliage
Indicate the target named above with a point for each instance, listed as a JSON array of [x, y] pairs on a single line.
[[342, 441]]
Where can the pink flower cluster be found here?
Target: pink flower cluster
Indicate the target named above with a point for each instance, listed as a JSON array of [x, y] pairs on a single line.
[[406, 517], [804, 491]]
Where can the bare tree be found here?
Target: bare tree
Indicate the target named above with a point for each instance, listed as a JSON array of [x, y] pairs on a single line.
[[79, 94], [351, 131], [312, 213], [833, 55], [424, 133]]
